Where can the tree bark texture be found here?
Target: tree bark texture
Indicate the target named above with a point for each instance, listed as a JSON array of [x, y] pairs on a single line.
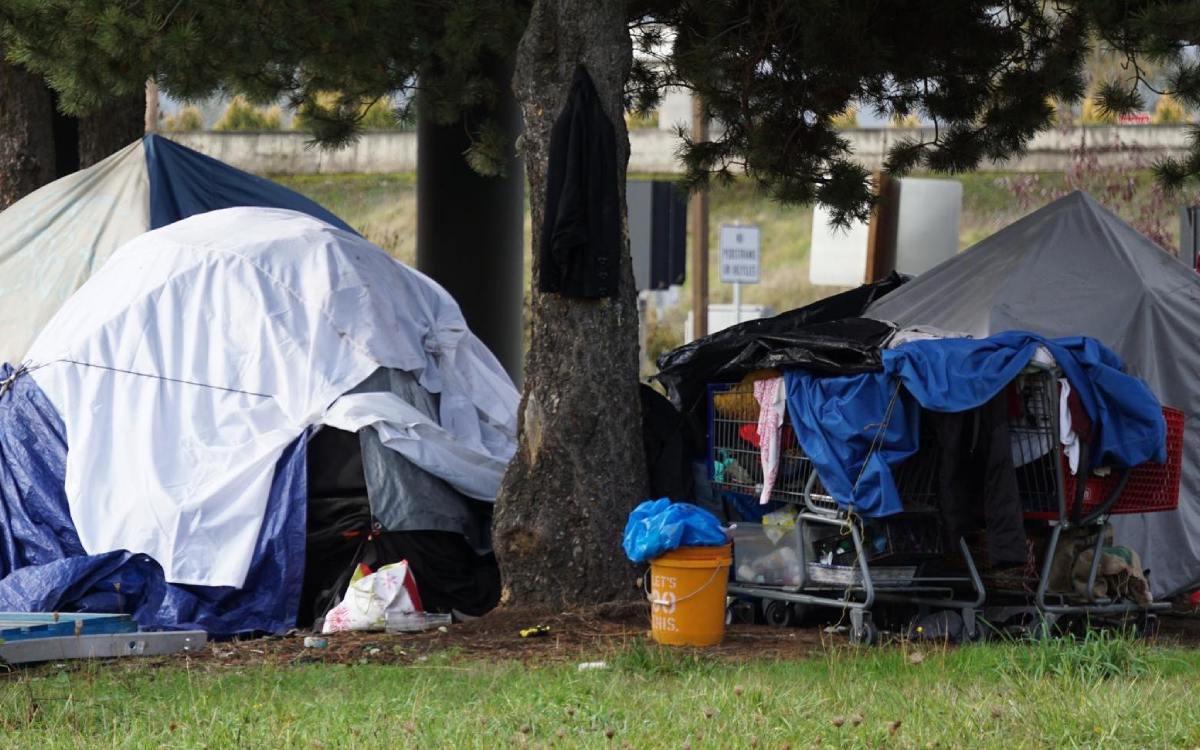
[[111, 128], [26, 137], [579, 467]]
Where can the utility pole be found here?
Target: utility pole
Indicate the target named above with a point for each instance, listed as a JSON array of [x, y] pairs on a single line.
[[699, 219], [881, 232]]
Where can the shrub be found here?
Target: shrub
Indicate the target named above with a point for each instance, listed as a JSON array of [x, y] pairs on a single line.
[[185, 120], [380, 115], [243, 116], [1168, 111], [847, 119], [1093, 115], [642, 121]]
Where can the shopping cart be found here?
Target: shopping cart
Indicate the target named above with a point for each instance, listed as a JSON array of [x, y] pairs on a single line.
[[825, 555], [1059, 504]]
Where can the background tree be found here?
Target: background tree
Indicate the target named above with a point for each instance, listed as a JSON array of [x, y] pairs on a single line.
[[1159, 43], [110, 126], [776, 74], [26, 141], [39, 144]]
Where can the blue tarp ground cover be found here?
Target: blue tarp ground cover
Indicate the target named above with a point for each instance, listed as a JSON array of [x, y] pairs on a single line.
[[43, 566], [836, 419]]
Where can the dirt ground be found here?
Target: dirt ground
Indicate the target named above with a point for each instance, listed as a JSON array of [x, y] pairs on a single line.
[[573, 637], [583, 636]]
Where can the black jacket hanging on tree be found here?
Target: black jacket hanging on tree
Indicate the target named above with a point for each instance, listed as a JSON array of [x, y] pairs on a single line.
[[580, 244]]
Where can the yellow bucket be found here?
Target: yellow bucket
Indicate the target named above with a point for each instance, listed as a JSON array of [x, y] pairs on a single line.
[[687, 595]]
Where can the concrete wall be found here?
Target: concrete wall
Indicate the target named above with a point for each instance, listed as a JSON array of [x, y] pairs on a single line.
[[287, 152], [653, 150], [1049, 151]]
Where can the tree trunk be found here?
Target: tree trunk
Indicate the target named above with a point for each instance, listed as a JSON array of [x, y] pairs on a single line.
[[26, 137], [110, 129], [151, 119], [579, 467]]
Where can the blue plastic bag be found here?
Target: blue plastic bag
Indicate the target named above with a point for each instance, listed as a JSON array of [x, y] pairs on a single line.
[[659, 526]]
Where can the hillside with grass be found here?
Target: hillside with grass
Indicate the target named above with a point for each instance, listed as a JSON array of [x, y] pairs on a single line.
[[383, 207]]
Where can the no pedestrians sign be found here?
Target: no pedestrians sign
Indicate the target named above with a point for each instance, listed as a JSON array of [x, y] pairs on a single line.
[[739, 254]]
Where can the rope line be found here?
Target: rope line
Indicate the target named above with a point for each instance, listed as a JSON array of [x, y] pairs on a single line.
[[27, 368]]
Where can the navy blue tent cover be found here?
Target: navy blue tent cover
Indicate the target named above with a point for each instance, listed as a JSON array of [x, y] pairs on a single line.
[[184, 183], [837, 419]]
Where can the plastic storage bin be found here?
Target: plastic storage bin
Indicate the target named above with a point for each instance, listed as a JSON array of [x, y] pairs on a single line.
[[768, 555]]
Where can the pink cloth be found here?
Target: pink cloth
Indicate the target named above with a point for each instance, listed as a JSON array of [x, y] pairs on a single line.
[[770, 396]]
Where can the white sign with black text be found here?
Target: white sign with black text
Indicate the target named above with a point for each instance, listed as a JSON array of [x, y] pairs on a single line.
[[739, 254]]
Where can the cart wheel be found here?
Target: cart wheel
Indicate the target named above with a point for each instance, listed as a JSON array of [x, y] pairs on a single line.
[[777, 614], [1036, 629], [800, 613], [867, 635], [1148, 627], [975, 633], [739, 612]]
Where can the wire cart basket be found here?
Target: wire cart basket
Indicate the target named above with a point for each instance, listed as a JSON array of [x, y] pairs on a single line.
[[828, 556], [1058, 503]]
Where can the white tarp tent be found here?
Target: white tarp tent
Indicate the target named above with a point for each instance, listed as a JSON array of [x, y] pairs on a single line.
[[1074, 268], [185, 366], [53, 239]]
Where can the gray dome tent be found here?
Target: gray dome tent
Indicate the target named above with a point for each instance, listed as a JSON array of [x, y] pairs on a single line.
[[1074, 268]]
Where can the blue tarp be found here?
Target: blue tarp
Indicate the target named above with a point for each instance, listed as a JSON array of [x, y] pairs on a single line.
[[43, 566], [656, 527], [184, 183], [837, 419]]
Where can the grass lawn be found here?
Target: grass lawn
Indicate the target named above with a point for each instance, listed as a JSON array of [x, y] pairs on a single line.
[[1103, 693]]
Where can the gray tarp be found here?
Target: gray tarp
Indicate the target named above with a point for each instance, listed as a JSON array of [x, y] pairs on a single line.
[[403, 496], [1073, 268]]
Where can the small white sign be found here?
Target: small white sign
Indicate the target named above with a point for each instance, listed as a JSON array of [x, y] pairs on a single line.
[[739, 254]]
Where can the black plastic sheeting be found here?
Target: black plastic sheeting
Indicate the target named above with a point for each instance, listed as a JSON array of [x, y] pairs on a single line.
[[344, 530], [826, 336], [450, 574], [671, 445]]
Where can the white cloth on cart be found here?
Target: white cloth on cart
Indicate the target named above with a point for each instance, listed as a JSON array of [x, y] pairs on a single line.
[[771, 397], [1066, 433], [922, 333]]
